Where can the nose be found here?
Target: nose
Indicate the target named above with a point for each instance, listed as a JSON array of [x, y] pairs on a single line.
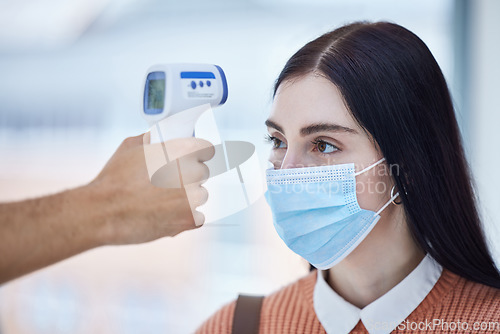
[[291, 160]]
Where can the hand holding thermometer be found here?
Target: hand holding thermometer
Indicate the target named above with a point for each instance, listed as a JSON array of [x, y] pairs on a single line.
[[172, 93], [175, 96]]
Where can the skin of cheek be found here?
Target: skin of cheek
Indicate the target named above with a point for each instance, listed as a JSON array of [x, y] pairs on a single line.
[[373, 187], [276, 158]]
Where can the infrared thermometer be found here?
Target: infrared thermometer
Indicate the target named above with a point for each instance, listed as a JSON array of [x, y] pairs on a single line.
[[175, 95]]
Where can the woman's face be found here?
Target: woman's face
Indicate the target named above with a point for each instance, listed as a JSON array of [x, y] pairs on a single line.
[[309, 126]]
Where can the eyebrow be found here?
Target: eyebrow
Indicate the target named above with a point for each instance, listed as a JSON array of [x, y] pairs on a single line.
[[313, 128]]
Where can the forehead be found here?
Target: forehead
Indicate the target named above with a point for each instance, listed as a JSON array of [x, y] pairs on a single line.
[[309, 99]]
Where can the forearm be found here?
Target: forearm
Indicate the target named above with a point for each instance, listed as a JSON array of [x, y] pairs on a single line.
[[120, 206], [38, 232]]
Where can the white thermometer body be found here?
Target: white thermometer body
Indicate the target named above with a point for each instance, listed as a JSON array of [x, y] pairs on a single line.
[[175, 93]]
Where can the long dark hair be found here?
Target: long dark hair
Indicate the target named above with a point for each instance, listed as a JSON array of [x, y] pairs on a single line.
[[395, 90]]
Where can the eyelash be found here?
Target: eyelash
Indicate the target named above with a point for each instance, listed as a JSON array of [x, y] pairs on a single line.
[[277, 142], [321, 141], [273, 140]]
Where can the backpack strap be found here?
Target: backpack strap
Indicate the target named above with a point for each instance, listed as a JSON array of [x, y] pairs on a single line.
[[246, 317]]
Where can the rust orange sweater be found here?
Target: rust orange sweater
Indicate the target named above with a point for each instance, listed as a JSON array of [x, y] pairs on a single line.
[[452, 299]]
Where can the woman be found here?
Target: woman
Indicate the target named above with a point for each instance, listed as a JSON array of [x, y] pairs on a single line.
[[370, 185]]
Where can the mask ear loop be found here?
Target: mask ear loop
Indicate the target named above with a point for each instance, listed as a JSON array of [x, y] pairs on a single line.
[[387, 203], [393, 197], [369, 167], [392, 192]]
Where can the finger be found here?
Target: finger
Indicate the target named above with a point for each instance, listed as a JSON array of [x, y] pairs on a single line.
[[202, 196], [193, 171], [168, 176], [181, 147], [206, 150], [197, 195], [206, 173], [199, 218], [133, 141]]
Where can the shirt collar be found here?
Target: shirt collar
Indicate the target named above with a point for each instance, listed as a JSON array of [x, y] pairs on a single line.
[[385, 313]]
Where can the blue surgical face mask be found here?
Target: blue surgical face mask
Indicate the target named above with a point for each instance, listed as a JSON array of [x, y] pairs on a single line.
[[316, 212]]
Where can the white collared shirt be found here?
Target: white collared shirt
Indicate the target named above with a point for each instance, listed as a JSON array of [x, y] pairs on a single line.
[[385, 313]]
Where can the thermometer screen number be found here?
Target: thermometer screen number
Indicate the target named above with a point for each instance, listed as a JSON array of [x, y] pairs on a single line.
[[156, 93]]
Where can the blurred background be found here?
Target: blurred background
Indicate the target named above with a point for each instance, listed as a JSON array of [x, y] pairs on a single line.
[[71, 76]]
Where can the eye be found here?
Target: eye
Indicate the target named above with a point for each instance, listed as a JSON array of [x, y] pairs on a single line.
[[277, 143], [324, 147]]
